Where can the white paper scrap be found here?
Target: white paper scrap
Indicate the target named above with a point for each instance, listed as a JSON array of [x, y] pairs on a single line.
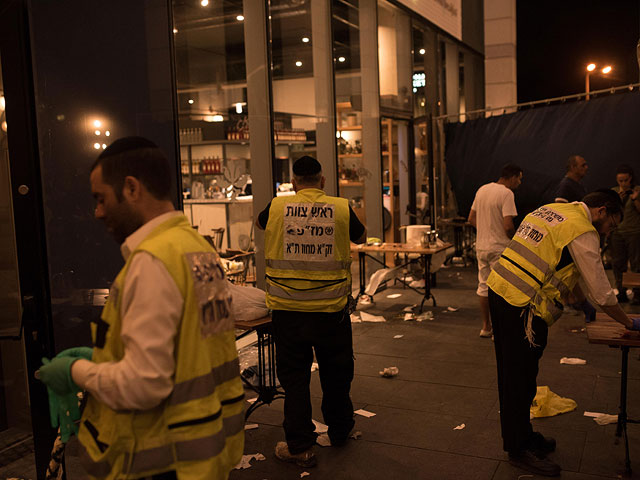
[[572, 361], [592, 414], [304, 474], [410, 308], [251, 400], [323, 440], [364, 413], [320, 427], [398, 336], [408, 316], [367, 317], [459, 427], [355, 318], [251, 426], [606, 419], [424, 316], [452, 309], [394, 295], [389, 372], [314, 366], [246, 461]]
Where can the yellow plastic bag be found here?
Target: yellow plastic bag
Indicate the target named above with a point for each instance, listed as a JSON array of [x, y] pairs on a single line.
[[547, 404]]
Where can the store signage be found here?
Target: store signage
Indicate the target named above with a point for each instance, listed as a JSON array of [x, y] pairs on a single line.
[[419, 80], [446, 14]]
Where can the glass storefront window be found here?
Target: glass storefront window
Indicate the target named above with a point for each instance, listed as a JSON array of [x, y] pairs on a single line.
[[213, 120]]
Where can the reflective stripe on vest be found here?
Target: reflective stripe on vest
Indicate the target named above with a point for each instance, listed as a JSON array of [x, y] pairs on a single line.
[[531, 257], [514, 280], [559, 284], [307, 294], [197, 449], [204, 385], [304, 265]]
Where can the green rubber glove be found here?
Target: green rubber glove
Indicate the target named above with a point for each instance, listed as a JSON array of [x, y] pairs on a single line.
[[56, 375], [77, 352], [64, 412]]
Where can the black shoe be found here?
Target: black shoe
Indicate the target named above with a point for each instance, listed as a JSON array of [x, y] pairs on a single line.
[[622, 296], [528, 460], [541, 444]]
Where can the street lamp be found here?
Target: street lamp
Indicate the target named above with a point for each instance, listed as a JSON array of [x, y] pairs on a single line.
[[591, 69]]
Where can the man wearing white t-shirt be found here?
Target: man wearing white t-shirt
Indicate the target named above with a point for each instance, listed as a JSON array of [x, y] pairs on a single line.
[[492, 214]]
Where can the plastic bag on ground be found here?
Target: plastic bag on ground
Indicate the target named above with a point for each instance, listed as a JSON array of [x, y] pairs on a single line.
[[547, 404]]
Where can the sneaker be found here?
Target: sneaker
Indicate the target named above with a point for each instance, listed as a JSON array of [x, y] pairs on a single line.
[[529, 461], [304, 459], [543, 445], [622, 296], [486, 333]]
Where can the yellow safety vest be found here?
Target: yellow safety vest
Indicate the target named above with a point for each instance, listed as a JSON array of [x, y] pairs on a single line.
[[308, 259], [198, 431], [536, 269]]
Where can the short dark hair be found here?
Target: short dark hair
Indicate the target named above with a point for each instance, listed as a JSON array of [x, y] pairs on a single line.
[[510, 170], [624, 168], [604, 197], [136, 157], [572, 161]]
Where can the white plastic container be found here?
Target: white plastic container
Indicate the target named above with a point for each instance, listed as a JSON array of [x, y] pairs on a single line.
[[415, 233]]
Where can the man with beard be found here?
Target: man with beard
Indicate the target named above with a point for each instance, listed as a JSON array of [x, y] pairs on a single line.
[[165, 399], [538, 272]]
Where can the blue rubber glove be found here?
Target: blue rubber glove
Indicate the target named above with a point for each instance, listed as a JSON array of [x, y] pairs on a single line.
[[77, 352], [636, 323], [56, 375], [588, 309]]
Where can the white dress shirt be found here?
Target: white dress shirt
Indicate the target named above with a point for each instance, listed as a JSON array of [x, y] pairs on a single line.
[[585, 251], [151, 310]]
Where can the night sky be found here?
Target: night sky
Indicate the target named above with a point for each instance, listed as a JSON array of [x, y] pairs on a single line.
[[558, 38]]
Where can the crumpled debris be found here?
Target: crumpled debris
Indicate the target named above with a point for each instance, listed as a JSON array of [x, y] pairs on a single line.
[[572, 361], [323, 440], [410, 308], [417, 283], [389, 372], [459, 427], [408, 316], [357, 435], [246, 461], [320, 427], [602, 418], [398, 336], [251, 426], [304, 474], [367, 317], [452, 309], [251, 400], [364, 413], [355, 318], [394, 295], [425, 316], [314, 366]]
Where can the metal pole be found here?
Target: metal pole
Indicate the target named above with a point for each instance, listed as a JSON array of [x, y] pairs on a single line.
[[586, 85]]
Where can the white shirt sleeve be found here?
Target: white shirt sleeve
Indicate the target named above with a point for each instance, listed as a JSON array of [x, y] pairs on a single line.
[[509, 205], [151, 311], [585, 251]]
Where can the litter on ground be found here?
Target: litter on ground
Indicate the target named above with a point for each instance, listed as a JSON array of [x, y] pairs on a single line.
[[246, 461], [410, 308], [251, 426], [356, 435], [408, 316], [398, 336], [389, 372], [304, 474], [323, 440], [602, 418], [367, 317], [394, 295], [320, 427], [452, 309], [459, 427], [355, 318], [572, 361], [364, 413]]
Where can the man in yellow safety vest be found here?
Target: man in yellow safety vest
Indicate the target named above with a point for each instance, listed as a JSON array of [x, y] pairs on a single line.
[[165, 399], [536, 274], [308, 284]]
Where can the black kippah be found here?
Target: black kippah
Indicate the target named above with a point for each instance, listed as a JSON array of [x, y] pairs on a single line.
[[126, 144], [306, 166]]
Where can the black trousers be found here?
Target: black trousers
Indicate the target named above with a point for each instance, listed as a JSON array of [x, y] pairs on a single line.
[[297, 335], [517, 363]]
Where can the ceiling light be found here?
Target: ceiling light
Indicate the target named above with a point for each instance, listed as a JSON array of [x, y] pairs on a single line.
[[97, 132], [104, 145], [204, 3], [190, 101], [341, 59], [97, 123], [107, 133], [238, 108], [422, 51], [240, 18], [298, 63], [305, 39], [96, 146], [175, 30]]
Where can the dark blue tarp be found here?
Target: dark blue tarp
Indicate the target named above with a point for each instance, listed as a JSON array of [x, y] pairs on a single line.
[[605, 131]]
